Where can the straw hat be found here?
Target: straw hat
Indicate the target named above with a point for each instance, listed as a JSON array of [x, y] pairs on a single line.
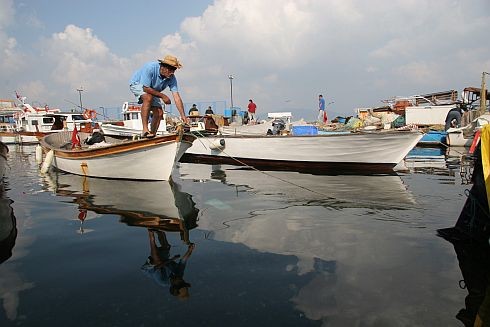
[[171, 61]]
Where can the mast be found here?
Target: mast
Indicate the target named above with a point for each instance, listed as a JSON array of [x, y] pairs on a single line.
[[483, 95]]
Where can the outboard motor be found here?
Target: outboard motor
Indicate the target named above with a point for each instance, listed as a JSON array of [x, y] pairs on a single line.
[[246, 118], [278, 125], [96, 137]]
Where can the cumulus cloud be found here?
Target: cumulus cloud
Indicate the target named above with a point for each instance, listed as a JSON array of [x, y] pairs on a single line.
[[80, 59]]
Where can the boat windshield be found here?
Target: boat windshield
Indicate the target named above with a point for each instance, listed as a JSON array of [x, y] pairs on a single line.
[[78, 117]]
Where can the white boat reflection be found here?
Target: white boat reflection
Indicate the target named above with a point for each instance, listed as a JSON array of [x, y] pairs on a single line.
[[377, 191], [159, 205], [343, 212]]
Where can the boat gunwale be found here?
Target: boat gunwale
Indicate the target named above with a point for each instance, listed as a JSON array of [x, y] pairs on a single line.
[[363, 133]]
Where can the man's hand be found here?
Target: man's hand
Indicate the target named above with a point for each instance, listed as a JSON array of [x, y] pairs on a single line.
[[165, 98]]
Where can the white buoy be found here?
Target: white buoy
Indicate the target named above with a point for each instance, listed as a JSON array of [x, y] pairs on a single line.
[[39, 154], [47, 161]]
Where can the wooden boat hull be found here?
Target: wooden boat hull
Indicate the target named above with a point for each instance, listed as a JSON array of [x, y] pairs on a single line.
[[146, 159], [365, 152]]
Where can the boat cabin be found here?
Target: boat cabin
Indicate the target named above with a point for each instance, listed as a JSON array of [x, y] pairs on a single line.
[[48, 122]]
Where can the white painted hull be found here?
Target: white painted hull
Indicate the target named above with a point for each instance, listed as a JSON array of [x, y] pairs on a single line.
[[385, 149], [28, 139], [18, 138], [152, 164], [127, 131], [457, 138], [148, 159], [8, 138], [110, 129]]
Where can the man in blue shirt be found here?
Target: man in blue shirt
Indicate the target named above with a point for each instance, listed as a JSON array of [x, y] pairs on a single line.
[[322, 114], [147, 85]]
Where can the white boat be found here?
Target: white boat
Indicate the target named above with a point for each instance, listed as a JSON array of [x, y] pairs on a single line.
[[26, 124], [144, 159], [260, 128], [8, 126], [361, 152], [34, 125], [4, 150], [9, 134], [131, 124], [463, 136]]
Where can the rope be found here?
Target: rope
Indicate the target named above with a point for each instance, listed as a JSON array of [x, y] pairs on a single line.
[[474, 205], [262, 172]]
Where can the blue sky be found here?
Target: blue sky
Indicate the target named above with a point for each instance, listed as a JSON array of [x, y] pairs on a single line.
[[281, 53]]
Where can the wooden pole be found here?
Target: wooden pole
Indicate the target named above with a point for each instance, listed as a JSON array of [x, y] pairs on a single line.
[[483, 95]]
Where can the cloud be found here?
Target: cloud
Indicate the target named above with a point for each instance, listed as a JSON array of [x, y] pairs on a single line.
[[80, 58], [12, 61], [7, 13]]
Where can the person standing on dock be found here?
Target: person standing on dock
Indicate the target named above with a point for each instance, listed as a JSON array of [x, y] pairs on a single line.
[[252, 107], [147, 85], [322, 112]]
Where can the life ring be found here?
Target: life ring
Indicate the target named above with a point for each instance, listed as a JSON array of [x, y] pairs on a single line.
[[89, 114]]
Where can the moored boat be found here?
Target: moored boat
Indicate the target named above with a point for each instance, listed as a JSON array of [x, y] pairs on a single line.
[[131, 124], [360, 152], [143, 159]]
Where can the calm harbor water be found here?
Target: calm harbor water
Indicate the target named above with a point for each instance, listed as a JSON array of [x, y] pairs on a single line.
[[254, 248]]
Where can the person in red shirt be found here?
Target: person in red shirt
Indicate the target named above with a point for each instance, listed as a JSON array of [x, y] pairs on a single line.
[[251, 110]]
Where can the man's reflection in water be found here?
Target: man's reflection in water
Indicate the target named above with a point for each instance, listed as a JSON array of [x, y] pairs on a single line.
[[165, 270]]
